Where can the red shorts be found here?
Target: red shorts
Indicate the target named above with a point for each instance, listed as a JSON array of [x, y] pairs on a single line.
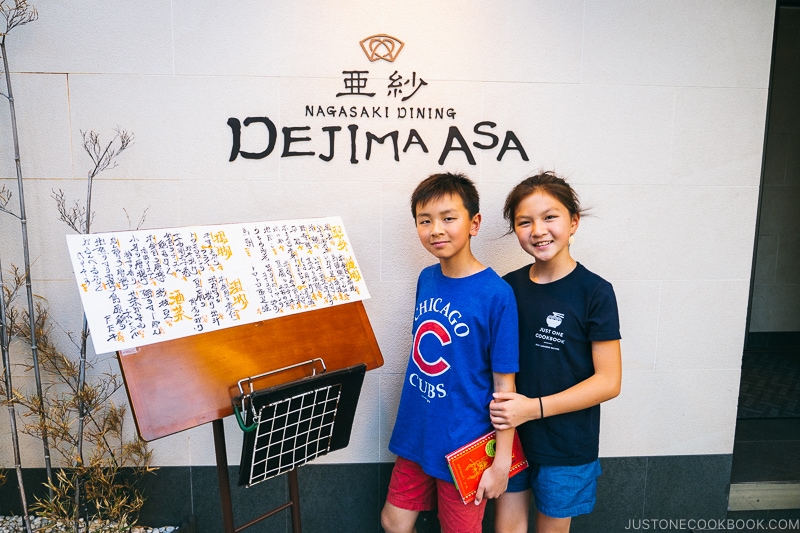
[[412, 489]]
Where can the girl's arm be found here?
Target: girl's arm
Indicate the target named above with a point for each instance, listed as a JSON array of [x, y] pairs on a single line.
[[494, 480], [509, 410]]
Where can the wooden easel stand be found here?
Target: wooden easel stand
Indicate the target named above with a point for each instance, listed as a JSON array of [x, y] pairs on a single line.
[[225, 489], [183, 383]]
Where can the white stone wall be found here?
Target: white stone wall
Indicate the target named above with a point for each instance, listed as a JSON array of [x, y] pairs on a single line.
[[655, 112]]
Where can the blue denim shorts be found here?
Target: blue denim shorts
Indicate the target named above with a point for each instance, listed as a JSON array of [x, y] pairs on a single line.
[[560, 491]]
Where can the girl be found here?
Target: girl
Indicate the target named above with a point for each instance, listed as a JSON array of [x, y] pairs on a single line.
[[570, 362]]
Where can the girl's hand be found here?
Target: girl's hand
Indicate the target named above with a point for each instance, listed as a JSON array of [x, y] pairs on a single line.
[[509, 409]]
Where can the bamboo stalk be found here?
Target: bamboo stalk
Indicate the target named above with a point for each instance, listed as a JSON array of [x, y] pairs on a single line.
[[81, 406], [102, 160], [12, 415], [27, 264]]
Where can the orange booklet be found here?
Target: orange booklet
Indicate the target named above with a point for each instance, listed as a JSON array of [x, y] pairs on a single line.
[[468, 463]]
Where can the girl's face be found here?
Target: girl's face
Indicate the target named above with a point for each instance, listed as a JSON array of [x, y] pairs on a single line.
[[543, 226]]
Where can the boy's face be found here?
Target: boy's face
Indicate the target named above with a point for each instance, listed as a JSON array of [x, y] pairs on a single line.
[[445, 227]]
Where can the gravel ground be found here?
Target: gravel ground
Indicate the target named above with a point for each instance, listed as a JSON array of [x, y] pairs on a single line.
[[14, 524]]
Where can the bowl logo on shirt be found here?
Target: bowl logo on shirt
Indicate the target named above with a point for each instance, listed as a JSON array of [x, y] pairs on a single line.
[[440, 366], [555, 319]]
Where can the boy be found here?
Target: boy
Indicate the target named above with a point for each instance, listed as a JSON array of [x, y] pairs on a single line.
[[465, 346]]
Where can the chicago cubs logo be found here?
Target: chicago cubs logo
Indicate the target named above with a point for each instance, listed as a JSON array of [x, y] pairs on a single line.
[[434, 328]]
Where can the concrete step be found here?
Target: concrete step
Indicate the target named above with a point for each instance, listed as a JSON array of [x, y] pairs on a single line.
[[762, 496]]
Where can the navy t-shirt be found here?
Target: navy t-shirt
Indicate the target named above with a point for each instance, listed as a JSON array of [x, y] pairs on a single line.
[[557, 323]]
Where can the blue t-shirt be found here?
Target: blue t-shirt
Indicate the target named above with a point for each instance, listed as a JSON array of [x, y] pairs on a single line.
[[464, 330], [557, 323]]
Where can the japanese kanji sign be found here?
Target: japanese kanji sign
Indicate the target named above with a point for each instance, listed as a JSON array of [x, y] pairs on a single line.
[[141, 287], [370, 100]]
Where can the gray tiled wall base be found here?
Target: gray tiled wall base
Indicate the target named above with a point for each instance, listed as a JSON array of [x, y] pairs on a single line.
[[347, 498]]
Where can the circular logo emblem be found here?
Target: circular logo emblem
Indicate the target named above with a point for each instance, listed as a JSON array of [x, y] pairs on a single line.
[[431, 368], [555, 319], [490, 448]]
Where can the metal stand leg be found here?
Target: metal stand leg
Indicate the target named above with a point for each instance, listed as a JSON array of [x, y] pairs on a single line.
[[225, 488], [222, 476], [294, 497]]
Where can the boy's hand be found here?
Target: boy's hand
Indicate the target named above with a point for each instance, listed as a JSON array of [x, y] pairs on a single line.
[[494, 482], [509, 409]]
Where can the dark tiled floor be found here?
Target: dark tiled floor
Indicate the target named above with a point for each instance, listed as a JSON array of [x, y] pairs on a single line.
[[767, 441], [766, 449], [770, 384]]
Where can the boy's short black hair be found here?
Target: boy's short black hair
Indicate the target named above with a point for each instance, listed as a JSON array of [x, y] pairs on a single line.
[[437, 186]]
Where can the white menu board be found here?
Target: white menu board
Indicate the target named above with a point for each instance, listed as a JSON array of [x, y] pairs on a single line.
[[146, 286]]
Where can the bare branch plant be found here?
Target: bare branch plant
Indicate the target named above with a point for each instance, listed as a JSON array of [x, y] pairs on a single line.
[[85, 426], [67, 409], [19, 14]]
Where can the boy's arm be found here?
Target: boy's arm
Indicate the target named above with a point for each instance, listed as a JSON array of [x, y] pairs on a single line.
[[494, 480], [511, 410]]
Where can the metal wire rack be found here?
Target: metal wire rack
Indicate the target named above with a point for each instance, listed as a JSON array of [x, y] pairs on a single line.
[[288, 425]]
